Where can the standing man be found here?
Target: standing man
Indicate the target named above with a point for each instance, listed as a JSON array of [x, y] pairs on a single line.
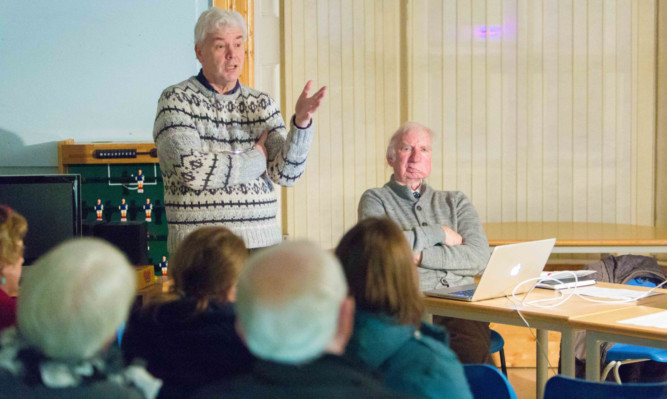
[[221, 144], [442, 227]]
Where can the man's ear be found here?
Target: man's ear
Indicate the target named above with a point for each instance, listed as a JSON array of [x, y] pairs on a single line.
[[198, 52], [345, 327]]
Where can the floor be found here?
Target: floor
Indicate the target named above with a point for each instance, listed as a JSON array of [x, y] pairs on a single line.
[[523, 381]]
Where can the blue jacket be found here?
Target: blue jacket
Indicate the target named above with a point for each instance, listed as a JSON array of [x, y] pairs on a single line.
[[418, 362]]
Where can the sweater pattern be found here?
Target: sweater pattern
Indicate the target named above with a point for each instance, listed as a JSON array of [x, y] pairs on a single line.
[[212, 172]]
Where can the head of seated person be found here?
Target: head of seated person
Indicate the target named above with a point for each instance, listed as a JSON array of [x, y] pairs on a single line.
[[292, 304], [380, 270], [206, 266], [296, 318], [71, 304], [411, 356], [13, 228], [188, 339]]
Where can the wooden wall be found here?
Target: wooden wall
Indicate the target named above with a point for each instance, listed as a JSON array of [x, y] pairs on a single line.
[[545, 109]]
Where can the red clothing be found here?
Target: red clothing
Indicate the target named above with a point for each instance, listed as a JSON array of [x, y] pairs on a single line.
[[7, 310]]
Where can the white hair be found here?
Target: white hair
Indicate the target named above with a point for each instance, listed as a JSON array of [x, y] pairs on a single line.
[[406, 127], [75, 297], [216, 18], [288, 301]]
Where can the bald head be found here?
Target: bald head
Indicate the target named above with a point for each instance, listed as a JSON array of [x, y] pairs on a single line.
[[288, 302]]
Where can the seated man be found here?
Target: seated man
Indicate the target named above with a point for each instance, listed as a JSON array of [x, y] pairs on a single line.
[[294, 314], [442, 227]]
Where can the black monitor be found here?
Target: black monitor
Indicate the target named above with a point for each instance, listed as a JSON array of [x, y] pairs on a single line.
[[50, 203]]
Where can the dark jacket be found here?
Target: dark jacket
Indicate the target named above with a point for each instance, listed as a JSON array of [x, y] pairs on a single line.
[[185, 349], [622, 269], [328, 377], [417, 362]]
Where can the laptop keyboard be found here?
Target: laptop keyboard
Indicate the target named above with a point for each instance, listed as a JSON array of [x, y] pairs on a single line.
[[464, 293]]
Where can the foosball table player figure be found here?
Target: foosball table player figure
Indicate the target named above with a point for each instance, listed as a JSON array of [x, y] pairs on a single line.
[[99, 209], [140, 181], [148, 208], [163, 265], [123, 210]]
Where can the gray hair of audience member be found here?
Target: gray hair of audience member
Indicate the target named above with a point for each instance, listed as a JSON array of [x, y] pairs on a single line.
[[216, 18], [75, 298], [406, 127], [288, 302]]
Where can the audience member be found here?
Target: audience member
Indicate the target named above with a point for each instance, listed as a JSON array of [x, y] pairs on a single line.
[[442, 228], [13, 228], [71, 304], [412, 356], [191, 340], [295, 316]]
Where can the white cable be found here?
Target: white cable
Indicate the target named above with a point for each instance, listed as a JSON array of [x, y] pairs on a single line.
[[564, 298]]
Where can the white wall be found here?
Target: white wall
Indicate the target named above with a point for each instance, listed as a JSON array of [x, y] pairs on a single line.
[[87, 70]]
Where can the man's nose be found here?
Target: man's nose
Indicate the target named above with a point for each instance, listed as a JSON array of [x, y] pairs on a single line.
[[416, 155]]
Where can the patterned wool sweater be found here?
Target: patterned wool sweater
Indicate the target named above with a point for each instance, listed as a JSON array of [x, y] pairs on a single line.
[[212, 173]]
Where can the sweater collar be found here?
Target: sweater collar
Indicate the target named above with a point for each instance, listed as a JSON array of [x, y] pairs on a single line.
[[405, 191], [202, 79]]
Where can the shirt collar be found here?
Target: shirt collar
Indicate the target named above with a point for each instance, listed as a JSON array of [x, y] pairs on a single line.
[[202, 79]]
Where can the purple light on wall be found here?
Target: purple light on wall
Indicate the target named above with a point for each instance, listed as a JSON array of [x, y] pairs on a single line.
[[489, 31]]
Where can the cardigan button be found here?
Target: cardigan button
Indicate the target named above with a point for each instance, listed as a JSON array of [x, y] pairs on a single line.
[[419, 208], [424, 224]]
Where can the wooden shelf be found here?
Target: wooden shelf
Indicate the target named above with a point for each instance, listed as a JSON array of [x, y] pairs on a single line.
[[71, 153]]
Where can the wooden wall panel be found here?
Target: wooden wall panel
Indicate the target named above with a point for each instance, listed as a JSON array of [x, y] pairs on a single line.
[[661, 128], [544, 110], [353, 47]]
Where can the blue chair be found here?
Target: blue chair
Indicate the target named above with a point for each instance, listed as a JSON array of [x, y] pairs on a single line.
[[560, 387], [620, 354], [487, 382], [497, 345]]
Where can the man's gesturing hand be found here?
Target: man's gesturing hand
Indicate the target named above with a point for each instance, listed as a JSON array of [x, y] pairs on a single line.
[[306, 106]]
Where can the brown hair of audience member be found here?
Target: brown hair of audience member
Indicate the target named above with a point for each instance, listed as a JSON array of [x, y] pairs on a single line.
[[13, 228], [206, 265], [380, 270]]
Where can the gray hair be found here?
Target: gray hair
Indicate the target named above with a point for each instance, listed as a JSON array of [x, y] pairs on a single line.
[[75, 298], [215, 18], [406, 127], [288, 301]]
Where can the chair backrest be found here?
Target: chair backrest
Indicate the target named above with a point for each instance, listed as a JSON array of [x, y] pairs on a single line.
[[487, 381], [559, 387]]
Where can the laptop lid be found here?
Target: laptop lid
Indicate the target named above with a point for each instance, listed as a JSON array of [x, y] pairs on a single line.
[[508, 266]]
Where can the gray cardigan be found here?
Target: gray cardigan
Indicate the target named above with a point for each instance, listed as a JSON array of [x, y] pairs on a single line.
[[421, 220]]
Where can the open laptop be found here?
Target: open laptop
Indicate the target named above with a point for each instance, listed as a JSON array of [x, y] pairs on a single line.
[[508, 266]]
